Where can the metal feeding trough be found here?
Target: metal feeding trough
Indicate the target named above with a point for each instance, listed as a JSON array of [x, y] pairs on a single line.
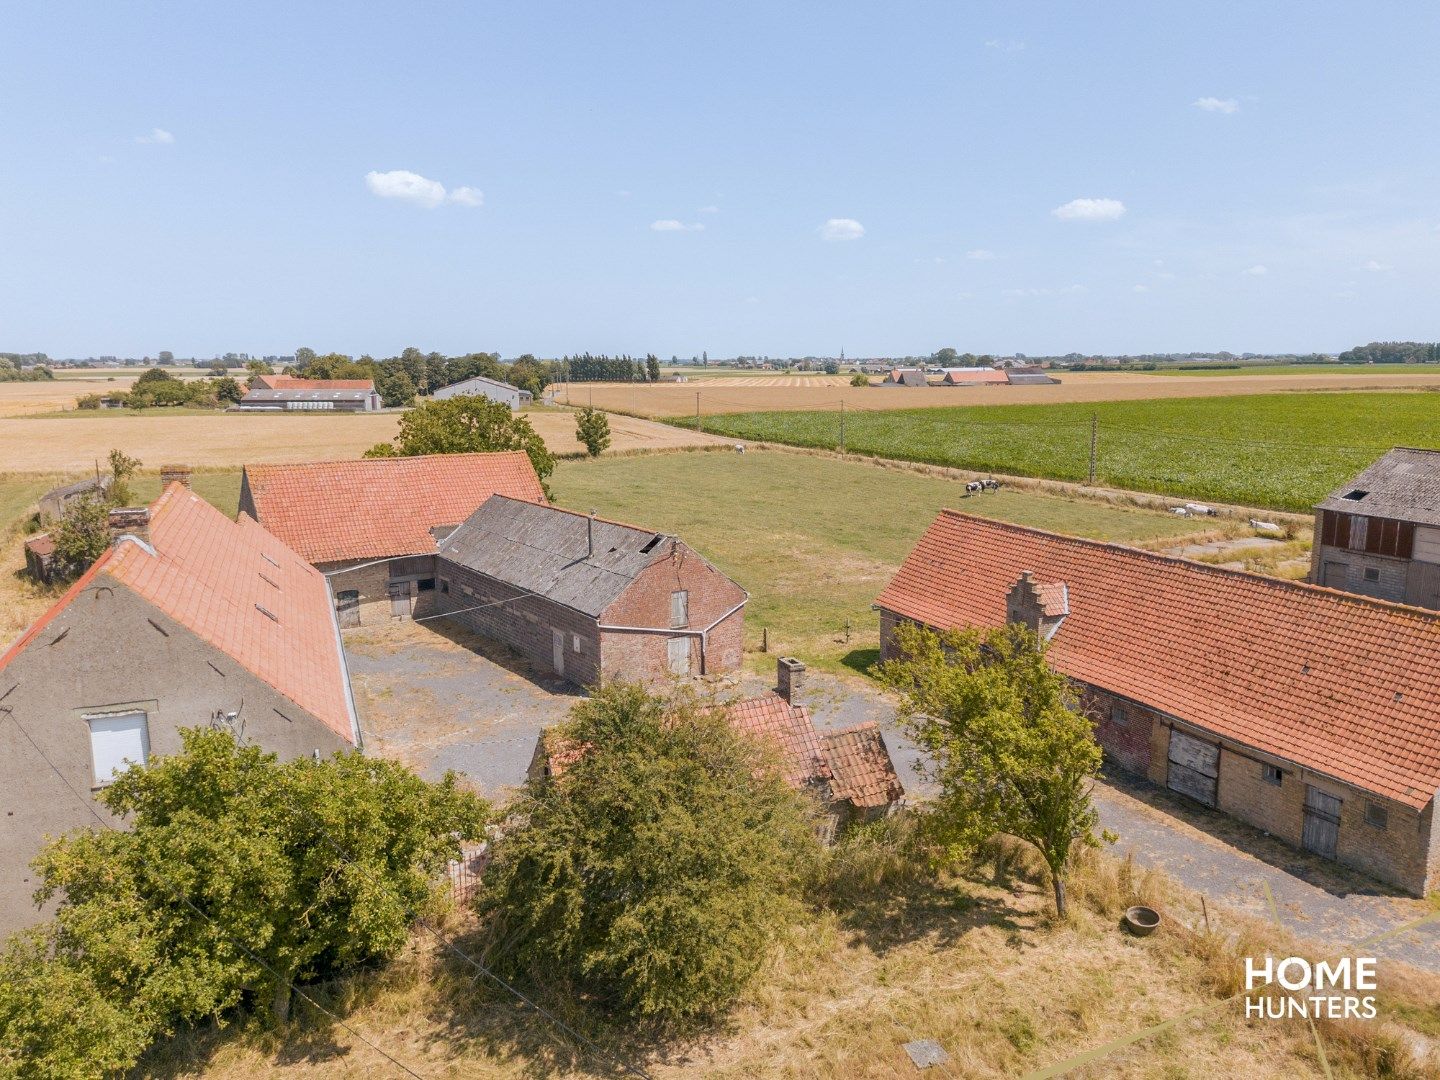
[[1142, 921]]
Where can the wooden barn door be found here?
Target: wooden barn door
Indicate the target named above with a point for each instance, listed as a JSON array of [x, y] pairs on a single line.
[[678, 654], [1322, 822], [1194, 767], [557, 651]]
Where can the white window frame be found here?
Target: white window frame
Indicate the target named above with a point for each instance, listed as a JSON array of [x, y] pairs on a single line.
[[92, 717]]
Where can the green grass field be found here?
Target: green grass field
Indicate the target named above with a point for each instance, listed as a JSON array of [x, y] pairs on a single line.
[[814, 539], [1303, 369], [1284, 451]]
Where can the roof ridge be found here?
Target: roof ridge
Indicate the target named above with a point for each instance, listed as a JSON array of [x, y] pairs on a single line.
[[387, 460], [1422, 614], [66, 598], [584, 514]]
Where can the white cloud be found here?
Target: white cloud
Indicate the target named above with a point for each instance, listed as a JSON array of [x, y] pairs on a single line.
[[1024, 292], [407, 186], [1090, 210], [1073, 290], [1374, 267], [467, 196], [1004, 45], [1255, 271], [157, 137], [671, 225], [1215, 104], [980, 254], [708, 210], [1139, 288], [841, 228]]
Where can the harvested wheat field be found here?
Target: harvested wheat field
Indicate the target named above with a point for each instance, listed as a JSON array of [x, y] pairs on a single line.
[[759, 394], [76, 442]]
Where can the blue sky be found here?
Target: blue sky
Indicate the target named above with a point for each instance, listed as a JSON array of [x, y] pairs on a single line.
[[1259, 176]]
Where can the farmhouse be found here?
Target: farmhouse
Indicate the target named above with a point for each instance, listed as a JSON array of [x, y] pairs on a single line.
[[848, 770], [1380, 534], [371, 525], [905, 377], [1311, 714], [974, 376], [589, 599], [493, 389], [189, 619], [283, 393]]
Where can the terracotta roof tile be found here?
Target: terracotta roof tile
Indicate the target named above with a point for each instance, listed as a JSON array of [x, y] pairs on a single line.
[[789, 727], [334, 511], [1341, 684], [291, 382], [860, 765]]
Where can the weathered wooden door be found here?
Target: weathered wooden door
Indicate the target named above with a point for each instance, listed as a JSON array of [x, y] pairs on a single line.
[[1333, 575], [1194, 767], [1322, 822], [557, 651], [400, 599], [679, 655], [1422, 584]]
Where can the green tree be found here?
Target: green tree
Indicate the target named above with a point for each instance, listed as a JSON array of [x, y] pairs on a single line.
[[859, 379], [227, 389], [166, 356], [301, 869], [465, 425], [592, 428], [122, 471], [652, 367], [655, 871], [1007, 746], [303, 357], [395, 388], [945, 357], [153, 376], [81, 535], [259, 367], [54, 1022]]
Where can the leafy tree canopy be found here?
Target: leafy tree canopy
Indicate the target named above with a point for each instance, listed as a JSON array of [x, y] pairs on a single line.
[[656, 870], [465, 425], [592, 429], [1006, 744]]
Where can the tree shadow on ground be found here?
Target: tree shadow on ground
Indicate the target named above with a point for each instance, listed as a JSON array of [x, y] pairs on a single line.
[[861, 661], [1323, 874]]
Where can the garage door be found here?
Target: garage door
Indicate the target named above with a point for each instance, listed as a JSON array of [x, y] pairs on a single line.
[[1194, 767]]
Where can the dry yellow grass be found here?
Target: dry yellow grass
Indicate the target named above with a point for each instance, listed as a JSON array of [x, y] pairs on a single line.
[[76, 442], [741, 394]]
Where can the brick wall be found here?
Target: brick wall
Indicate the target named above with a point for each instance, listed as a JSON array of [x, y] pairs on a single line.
[[1392, 573], [524, 623], [1123, 728], [372, 582]]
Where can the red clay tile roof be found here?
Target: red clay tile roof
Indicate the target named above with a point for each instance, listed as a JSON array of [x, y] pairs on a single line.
[[1054, 599], [976, 376], [860, 766], [789, 727], [291, 382], [1341, 684], [375, 508], [219, 579]]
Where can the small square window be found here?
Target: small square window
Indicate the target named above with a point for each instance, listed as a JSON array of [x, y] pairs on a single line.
[[1273, 775], [1376, 816], [1372, 573], [575, 642], [426, 584], [1118, 716]]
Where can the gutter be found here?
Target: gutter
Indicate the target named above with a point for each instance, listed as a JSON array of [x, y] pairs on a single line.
[[703, 634], [345, 674]]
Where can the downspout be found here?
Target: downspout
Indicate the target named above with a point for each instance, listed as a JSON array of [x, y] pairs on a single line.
[[345, 673]]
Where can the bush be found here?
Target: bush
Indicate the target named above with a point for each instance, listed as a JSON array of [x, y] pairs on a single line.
[[88, 401], [656, 870], [859, 379], [592, 428]]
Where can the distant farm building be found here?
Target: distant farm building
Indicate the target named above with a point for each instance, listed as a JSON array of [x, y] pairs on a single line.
[[56, 501], [973, 376], [905, 377], [1379, 535], [1311, 714], [849, 770], [1030, 376], [285, 393], [589, 599], [493, 389], [189, 619], [372, 525]]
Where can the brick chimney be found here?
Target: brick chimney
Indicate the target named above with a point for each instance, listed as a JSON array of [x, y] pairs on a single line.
[[129, 521], [178, 474], [1039, 607], [790, 679]]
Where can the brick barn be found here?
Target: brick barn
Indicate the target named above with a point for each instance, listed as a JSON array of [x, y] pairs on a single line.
[[1309, 713], [1380, 533], [589, 599], [371, 526], [848, 770], [286, 393], [189, 619]]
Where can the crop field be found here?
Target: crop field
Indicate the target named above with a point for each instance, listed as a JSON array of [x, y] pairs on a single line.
[[814, 539], [728, 395], [1282, 451]]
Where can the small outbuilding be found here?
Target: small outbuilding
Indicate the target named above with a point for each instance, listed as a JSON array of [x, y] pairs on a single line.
[[589, 599], [480, 386], [973, 376], [905, 377], [56, 501]]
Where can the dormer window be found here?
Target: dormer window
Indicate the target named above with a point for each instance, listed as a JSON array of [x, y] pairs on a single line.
[[1355, 496]]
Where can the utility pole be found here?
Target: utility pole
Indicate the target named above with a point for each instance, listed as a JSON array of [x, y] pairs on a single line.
[[842, 427], [697, 411], [1094, 439]]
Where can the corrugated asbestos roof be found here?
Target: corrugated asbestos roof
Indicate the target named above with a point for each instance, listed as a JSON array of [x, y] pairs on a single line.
[[1342, 684], [375, 508], [546, 551], [305, 394], [1403, 485]]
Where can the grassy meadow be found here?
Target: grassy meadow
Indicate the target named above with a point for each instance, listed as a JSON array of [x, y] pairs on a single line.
[[815, 539], [1281, 451]]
